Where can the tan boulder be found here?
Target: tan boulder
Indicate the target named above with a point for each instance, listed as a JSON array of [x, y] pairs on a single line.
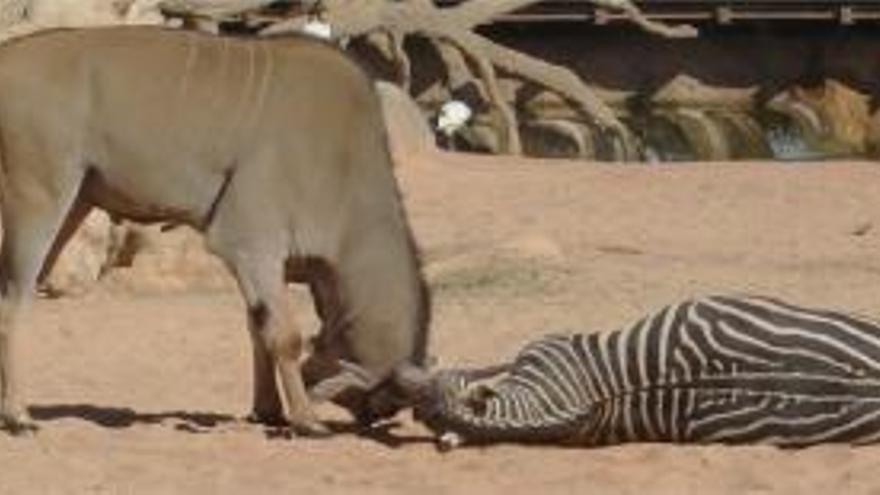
[[408, 130]]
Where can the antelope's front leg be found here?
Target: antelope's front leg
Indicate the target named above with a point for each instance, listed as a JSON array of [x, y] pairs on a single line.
[[278, 345], [266, 407], [277, 342], [285, 344]]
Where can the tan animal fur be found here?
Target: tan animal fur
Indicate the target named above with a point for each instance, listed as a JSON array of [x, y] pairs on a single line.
[[275, 149]]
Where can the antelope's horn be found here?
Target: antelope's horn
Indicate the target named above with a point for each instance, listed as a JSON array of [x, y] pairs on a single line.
[[351, 376], [414, 380]]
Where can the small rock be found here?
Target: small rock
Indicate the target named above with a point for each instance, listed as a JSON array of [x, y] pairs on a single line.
[[862, 229]]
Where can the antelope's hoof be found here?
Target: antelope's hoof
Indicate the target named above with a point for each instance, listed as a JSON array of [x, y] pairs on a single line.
[[310, 429], [19, 424], [266, 419]]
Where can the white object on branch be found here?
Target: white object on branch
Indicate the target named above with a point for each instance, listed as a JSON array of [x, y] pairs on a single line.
[[454, 114], [318, 29]]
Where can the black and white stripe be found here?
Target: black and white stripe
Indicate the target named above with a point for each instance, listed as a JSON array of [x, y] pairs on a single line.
[[717, 369]]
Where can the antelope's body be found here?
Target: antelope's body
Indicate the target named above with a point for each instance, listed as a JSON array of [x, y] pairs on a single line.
[[275, 149]]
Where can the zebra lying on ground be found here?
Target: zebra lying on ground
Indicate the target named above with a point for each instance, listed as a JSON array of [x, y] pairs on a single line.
[[716, 369]]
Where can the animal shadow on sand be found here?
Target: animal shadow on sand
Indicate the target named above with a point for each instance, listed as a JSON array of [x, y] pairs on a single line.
[[124, 417], [381, 433], [203, 422]]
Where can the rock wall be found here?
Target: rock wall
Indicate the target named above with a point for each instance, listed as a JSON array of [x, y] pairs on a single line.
[[134, 258]]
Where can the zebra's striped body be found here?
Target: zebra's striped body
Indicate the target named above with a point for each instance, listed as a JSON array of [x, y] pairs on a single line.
[[717, 369]]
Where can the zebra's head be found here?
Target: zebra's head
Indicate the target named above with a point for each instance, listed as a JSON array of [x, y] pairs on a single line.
[[436, 396]]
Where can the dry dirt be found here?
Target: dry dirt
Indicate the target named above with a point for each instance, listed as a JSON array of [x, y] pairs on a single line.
[[139, 391]]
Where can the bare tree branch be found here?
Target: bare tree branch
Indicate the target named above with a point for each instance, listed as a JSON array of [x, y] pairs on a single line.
[[662, 29], [454, 26]]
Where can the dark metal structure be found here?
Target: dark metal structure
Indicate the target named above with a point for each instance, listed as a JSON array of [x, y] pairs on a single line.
[[846, 12], [769, 45]]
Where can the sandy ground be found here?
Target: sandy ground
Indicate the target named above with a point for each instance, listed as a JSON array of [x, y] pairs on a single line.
[[140, 391]]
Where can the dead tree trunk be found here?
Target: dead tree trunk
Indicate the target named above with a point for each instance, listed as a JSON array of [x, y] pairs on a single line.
[[452, 28]]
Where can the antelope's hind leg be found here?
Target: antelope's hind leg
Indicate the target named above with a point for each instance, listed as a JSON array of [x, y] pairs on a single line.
[[33, 215]]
